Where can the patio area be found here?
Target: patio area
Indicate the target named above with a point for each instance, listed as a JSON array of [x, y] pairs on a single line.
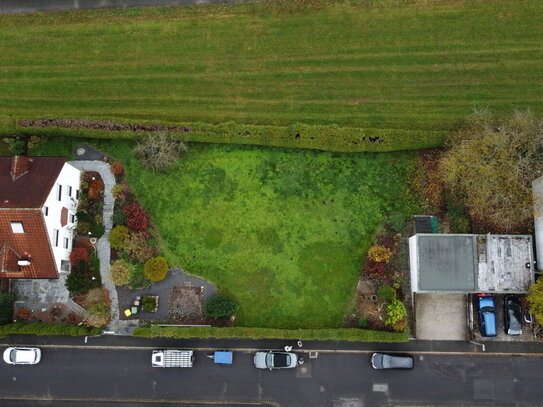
[[180, 299]]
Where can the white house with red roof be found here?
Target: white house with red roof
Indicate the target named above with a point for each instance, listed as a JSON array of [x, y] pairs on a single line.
[[38, 203]]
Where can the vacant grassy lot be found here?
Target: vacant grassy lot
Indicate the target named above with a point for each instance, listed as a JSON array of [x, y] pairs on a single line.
[[418, 66], [282, 231]]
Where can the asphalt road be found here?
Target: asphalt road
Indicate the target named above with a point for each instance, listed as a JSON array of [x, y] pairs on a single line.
[[124, 377]]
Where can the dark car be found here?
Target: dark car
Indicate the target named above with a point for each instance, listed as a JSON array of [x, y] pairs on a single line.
[[512, 315], [487, 315], [381, 361]]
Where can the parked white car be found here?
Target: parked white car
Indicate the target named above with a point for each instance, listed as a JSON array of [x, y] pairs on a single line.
[[22, 356], [275, 360]]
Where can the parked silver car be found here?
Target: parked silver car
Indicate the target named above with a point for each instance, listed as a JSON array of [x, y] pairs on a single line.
[[22, 356], [381, 361], [275, 360]]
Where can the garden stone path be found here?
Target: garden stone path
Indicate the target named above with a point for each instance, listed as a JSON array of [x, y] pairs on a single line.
[[102, 246]]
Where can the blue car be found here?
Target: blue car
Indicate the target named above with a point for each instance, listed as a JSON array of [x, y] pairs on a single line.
[[487, 315]]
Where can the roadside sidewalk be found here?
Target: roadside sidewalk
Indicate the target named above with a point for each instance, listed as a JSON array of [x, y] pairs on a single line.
[[451, 347], [33, 6]]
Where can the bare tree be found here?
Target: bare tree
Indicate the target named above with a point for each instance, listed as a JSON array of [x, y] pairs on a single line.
[[158, 152], [491, 165]]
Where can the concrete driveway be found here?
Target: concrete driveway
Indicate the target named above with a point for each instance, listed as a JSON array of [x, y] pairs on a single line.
[[441, 317]]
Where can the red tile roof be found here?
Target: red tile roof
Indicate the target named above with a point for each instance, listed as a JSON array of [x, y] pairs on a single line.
[[25, 182], [33, 244]]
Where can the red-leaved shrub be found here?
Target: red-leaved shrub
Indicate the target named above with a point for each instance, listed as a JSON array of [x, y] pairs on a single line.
[[136, 217], [116, 168], [79, 254], [95, 188], [374, 268]]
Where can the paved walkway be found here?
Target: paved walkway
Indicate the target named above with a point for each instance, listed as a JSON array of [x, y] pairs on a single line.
[[413, 346], [102, 246], [33, 6]]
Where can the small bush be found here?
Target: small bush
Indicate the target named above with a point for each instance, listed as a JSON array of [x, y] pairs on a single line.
[[79, 254], [220, 306], [119, 237], [156, 268], [97, 320], [83, 216], [83, 228], [98, 309], [138, 280], [396, 312], [23, 313], [16, 145], [116, 168], [158, 152], [386, 293], [363, 323], [77, 282], [120, 272], [399, 325], [119, 217], [148, 304], [95, 189], [136, 217], [138, 247], [374, 269], [97, 230], [120, 191], [6, 307], [379, 254]]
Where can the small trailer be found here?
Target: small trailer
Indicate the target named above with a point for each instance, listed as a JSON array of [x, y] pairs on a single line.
[[223, 357], [172, 358]]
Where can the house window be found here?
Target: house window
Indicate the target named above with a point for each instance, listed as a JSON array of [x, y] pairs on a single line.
[[17, 227], [46, 210], [64, 265], [55, 237], [66, 242], [59, 192], [72, 218], [77, 194], [69, 190]]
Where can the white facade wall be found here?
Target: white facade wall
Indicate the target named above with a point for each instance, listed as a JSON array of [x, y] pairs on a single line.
[[69, 180], [537, 191], [414, 262]]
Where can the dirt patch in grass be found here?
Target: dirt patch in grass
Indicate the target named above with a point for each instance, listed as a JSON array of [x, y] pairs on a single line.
[[185, 305]]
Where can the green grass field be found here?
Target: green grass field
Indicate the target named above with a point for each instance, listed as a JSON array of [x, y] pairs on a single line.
[[284, 232], [412, 66]]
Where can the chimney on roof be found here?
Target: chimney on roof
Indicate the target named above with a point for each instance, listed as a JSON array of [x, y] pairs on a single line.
[[19, 166]]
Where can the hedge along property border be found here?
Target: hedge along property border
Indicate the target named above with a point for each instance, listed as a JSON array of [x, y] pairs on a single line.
[[42, 329], [326, 138], [348, 334]]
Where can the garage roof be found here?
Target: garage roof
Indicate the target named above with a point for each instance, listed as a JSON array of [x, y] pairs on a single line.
[[471, 263]]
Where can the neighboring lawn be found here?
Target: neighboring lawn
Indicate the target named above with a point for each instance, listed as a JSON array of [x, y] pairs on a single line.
[[417, 66], [283, 232]]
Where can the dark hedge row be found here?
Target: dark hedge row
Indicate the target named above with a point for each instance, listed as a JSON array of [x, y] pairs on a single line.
[[326, 138], [360, 335], [41, 329]]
